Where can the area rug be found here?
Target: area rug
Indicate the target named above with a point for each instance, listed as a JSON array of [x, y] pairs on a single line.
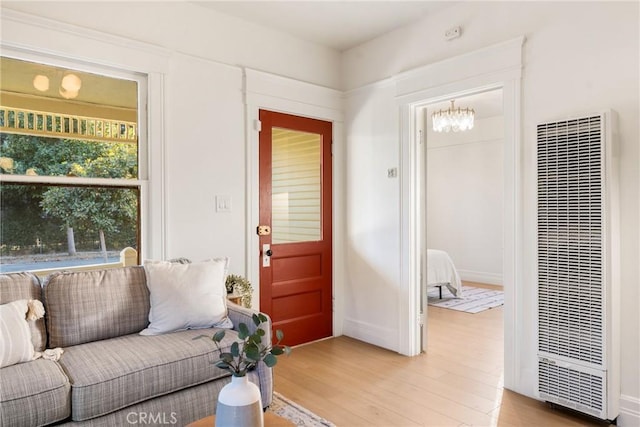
[[474, 300], [295, 413]]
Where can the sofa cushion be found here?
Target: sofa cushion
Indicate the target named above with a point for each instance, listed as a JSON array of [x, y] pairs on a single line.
[[33, 394], [95, 305], [17, 286], [186, 296], [112, 374]]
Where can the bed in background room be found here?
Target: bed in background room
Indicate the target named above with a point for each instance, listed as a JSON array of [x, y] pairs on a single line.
[[442, 272]]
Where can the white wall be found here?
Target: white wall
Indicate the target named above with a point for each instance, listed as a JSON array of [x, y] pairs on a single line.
[[373, 207], [578, 57], [465, 200], [205, 157], [203, 153], [183, 26]]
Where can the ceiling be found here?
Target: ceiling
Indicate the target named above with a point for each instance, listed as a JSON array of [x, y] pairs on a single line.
[[339, 25], [16, 77], [342, 25], [335, 24]]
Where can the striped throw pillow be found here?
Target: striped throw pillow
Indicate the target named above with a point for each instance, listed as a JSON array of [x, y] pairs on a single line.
[[15, 335]]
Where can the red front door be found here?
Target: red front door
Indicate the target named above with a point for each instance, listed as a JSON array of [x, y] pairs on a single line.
[[295, 215]]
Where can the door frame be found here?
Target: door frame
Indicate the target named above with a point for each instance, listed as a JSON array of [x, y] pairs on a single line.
[[264, 91], [494, 67], [422, 158]]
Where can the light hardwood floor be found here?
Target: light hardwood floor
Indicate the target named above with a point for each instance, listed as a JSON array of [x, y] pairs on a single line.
[[458, 382]]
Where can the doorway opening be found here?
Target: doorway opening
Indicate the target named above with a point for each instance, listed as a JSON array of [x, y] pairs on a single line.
[[461, 187]]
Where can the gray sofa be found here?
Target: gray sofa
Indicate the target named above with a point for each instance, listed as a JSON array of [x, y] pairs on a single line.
[[109, 375]]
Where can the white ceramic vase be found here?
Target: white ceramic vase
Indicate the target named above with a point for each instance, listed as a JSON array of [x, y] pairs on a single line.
[[239, 404]]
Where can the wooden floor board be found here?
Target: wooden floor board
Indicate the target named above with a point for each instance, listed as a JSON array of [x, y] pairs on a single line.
[[457, 382]]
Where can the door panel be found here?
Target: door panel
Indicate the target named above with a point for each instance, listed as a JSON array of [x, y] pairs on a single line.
[[295, 202]]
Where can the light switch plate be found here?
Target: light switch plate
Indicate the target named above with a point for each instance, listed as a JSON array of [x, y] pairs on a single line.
[[223, 203]]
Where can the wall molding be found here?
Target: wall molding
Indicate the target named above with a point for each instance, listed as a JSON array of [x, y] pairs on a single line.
[[263, 90], [494, 67], [481, 277], [629, 411], [43, 40], [370, 333], [499, 58], [61, 39]]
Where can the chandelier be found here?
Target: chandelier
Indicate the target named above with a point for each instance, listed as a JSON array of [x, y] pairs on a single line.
[[453, 119]]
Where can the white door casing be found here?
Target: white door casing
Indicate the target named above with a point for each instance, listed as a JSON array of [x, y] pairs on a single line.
[[495, 67]]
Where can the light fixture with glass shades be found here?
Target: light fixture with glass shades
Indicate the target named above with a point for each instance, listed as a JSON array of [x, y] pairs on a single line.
[[453, 119], [70, 83], [70, 86], [41, 83]]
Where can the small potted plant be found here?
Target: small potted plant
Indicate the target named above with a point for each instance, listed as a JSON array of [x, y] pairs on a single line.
[[240, 402], [241, 286]]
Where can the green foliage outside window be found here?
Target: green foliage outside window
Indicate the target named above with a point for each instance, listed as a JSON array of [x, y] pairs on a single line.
[[36, 215]]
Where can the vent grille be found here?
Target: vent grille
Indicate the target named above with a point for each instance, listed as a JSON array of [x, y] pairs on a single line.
[[571, 388], [570, 245]]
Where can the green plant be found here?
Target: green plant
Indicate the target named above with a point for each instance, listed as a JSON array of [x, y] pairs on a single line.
[[244, 355], [240, 285]]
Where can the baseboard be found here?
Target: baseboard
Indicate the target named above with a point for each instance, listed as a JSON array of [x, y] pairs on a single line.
[[629, 411], [372, 334], [481, 277]]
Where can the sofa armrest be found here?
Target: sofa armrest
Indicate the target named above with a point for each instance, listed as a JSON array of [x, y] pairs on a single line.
[[239, 314]]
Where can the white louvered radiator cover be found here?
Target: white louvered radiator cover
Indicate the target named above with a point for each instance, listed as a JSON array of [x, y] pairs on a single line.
[[574, 269]]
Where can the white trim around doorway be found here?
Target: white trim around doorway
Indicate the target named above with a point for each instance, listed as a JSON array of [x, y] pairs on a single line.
[[275, 93], [495, 67]]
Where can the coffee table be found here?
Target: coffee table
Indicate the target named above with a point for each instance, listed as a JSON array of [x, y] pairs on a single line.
[[270, 420]]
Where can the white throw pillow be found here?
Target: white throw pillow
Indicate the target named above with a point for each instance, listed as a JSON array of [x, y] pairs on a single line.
[[15, 335], [186, 296]]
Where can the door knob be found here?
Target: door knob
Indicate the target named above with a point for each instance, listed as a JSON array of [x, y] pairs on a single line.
[[266, 255]]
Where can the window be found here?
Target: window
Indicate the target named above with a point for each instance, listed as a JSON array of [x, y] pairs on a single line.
[[71, 151]]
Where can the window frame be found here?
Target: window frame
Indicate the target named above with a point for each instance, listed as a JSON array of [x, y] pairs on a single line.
[[141, 183]]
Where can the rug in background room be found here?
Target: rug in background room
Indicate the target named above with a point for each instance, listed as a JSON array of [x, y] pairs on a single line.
[[474, 300], [295, 413]]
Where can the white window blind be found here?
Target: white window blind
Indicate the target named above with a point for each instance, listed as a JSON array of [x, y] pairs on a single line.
[[296, 186]]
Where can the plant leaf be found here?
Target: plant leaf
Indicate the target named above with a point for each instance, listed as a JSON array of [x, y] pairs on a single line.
[[222, 365], [256, 319], [243, 331], [227, 357], [279, 334], [277, 351], [235, 349], [252, 352], [270, 360], [218, 336], [200, 336]]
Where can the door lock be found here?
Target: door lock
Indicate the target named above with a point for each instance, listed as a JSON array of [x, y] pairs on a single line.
[[263, 230], [266, 255]]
